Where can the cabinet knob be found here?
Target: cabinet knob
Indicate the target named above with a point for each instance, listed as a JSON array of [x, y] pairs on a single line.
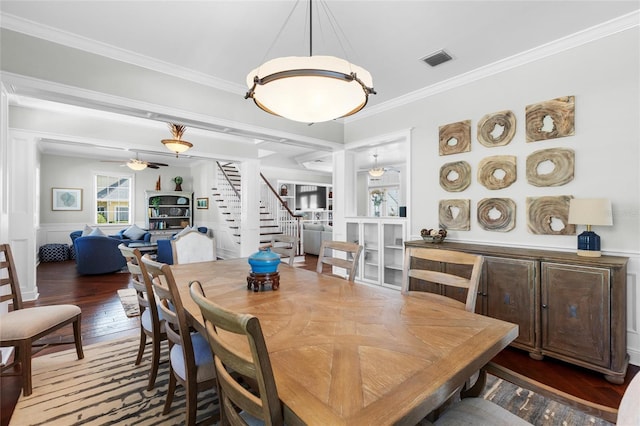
[[544, 306]]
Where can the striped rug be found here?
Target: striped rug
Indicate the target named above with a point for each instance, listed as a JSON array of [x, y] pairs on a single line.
[[105, 388]]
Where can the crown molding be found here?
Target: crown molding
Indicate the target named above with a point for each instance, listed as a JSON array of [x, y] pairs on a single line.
[[65, 38], [580, 38]]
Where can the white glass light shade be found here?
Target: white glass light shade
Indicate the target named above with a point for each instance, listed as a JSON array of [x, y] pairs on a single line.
[[590, 211], [137, 165], [310, 89], [376, 172], [177, 145]]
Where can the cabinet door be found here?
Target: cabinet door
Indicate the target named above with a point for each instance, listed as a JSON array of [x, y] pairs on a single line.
[[575, 312], [508, 288]]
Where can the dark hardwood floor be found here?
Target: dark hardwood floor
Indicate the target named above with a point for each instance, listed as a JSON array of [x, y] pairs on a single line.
[[103, 319]]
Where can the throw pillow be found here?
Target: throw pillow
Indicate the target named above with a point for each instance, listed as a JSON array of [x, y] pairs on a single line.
[[184, 231], [134, 232], [86, 231], [97, 233]]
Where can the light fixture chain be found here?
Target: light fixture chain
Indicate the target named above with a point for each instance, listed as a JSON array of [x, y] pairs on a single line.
[[337, 30], [286, 21]]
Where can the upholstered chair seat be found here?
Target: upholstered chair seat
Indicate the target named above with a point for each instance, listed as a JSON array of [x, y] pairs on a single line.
[[27, 322], [202, 355]]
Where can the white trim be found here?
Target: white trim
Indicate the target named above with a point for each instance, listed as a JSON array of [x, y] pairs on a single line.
[[580, 38]]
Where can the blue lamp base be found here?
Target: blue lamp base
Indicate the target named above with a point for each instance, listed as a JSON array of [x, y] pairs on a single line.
[[589, 244]]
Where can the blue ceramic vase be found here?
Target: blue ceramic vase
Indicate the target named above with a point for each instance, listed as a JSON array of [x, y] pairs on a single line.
[[264, 261]]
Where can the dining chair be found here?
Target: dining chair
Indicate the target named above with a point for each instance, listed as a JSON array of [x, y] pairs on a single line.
[[22, 327], [629, 409], [285, 246], [151, 323], [239, 402], [193, 246], [350, 254], [446, 276], [191, 360], [478, 412]]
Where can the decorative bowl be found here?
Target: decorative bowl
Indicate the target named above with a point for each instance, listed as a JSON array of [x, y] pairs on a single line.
[[264, 261], [436, 239]]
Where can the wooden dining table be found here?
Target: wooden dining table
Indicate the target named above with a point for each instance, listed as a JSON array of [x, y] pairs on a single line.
[[351, 354]]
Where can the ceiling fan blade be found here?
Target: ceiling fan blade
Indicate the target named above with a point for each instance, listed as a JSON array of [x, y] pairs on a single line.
[[152, 166], [149, 163], [112, 161]]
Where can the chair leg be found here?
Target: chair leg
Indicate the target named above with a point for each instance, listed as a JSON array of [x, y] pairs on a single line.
[[143, 343], [192, 402], [155, 362], [25, 365], [170, 391], [77, 336]]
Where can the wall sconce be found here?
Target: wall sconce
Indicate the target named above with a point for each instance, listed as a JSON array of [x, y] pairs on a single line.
[[589, 212]]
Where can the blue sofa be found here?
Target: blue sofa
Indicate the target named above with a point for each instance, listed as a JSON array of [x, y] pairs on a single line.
[[98, 255], [118, 236]]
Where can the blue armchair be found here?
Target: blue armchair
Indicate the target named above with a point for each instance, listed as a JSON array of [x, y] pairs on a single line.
[[98, 255]]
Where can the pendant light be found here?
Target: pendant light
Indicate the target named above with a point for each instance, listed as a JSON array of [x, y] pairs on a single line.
[[310, 89], [176, 144], [376, 171]]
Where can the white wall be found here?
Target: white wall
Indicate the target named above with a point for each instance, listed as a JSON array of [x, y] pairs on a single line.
[[606, 145]]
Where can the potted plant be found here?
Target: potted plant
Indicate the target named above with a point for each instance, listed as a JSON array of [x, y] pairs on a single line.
[[178, 181]]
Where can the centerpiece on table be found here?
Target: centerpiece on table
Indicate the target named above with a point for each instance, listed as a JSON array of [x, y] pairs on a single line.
[[433, 235], [264, 269]]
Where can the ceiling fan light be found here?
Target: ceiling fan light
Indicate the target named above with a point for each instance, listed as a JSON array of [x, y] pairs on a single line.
[[310, 89], [176, 145], [137, 165]]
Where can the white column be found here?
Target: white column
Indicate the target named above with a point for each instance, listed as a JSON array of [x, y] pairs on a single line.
[[344, 191]]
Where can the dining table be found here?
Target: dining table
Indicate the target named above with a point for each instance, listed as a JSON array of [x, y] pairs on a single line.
[[347, 353]]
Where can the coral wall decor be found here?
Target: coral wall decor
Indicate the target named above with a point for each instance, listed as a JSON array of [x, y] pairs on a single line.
[[455, 176], [549, 215], [551, 167], [550, 119], [497, 172], [497, 129], [455, 138], [454, 214], [497, 214]]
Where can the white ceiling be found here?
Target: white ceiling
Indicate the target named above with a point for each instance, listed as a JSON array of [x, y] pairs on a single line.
[[219, 42]]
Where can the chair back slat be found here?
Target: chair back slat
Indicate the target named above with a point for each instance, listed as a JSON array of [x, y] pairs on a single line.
[[9, 278], [177, 326], [285, 246], [444, 277], [265, 406], [140, 281], [349, 255]]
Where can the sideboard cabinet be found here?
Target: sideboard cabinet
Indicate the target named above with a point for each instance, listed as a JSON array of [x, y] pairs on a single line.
[[567, 307]]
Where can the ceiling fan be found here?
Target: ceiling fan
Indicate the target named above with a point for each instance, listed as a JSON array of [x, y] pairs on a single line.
[[137, 164]]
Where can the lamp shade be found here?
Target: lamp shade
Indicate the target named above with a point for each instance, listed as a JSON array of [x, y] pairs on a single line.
[[310, 89], [176, 145], [590, 211]]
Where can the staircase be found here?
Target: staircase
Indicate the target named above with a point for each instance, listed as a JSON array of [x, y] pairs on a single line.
[[275, 217]]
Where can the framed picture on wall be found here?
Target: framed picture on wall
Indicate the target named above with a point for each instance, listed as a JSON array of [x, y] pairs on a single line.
[[66, 199], [202, 203]]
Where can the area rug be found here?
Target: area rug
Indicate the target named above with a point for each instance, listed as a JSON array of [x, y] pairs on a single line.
[[105, 388], [129, 300], [535, 408]]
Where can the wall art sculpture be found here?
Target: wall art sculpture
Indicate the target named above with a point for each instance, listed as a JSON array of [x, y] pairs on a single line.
[[549, 215], [455, 138], [550, 119], [454, 214], [497, 172], [497, 129], [455, 176], [497, 214], [551, 167]]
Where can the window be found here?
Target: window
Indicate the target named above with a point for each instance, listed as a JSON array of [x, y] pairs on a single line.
[[113, 199]]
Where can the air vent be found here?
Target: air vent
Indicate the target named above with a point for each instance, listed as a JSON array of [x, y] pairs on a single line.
[[437, 58]]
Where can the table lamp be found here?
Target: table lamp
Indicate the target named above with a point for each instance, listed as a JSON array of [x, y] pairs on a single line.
[[589, 212]]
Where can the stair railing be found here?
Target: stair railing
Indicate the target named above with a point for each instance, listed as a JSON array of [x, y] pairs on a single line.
[[288, 222]]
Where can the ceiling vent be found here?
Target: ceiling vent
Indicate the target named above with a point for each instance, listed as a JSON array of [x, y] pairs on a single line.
[[437, 58]]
